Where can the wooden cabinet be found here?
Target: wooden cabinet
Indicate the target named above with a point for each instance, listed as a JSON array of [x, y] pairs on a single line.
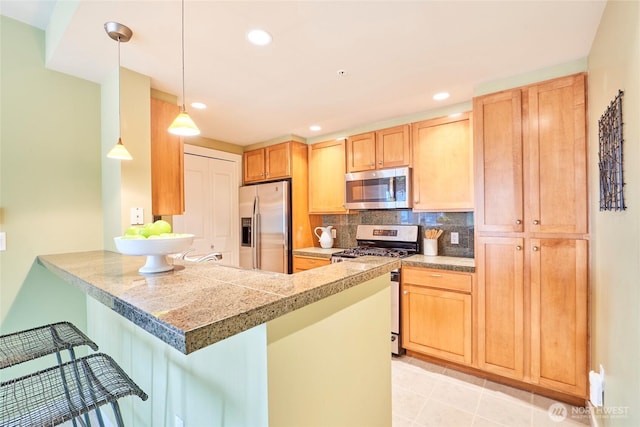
[[497, 133], [167, 161], [531, 234], [501, 303], [382, 149], [532, 178], [326, 177], [436, 313], [268, 163], [302, 263], [559, 306], [443, 164]]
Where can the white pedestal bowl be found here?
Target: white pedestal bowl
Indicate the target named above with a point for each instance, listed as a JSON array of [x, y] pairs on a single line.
[[156, 250]]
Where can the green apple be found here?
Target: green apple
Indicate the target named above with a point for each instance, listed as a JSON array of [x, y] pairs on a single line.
[[159, 227]]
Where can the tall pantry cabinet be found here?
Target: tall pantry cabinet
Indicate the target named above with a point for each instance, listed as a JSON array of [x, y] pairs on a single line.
[[532, 233]]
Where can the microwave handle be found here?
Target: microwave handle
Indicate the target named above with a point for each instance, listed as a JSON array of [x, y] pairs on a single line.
[[392, 188]]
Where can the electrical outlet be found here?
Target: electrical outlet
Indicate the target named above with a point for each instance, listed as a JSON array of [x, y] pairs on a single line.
[[455, 238], [333, 233], [137, 216], [3, 241]]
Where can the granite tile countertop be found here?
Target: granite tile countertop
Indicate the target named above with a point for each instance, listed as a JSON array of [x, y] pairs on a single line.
[[317, 252], [467, 265], [197, 305]]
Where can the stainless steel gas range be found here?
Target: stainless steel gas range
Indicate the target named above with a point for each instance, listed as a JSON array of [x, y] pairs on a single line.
[[397, 241]]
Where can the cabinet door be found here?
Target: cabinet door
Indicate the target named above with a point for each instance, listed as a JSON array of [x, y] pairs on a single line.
[[361, 152], [167, 161], [437, 323], [557, 156], [559, 314], [443, 166], [278, 161], [254, 165], [497, 133], [393, 148], [326, 177], [500, 276]]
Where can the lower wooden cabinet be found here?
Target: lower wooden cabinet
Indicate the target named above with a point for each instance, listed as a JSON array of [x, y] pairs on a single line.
[[532, 310], [302, 263], [436, 313]]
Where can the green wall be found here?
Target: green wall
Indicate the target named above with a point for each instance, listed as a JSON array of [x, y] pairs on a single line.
[[614, 63], [49, 179]]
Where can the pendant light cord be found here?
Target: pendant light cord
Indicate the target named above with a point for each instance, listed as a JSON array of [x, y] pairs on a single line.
[[119, 107], [183, 101]]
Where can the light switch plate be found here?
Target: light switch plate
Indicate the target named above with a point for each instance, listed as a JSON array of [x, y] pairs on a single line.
[[455, 238], [3, 241], [137, 216]]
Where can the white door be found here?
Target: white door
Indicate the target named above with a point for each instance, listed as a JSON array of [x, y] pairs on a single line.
[[211, 206]]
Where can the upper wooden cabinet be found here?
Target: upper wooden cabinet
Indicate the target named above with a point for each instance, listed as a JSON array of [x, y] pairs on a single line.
[[268, 163], [167, 161], [443, 164], [530, 148], [382, 149], [326, 177]]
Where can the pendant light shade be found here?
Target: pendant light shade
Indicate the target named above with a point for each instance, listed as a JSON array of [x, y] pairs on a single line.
[[119, 152], [119, 33], [183, 125]]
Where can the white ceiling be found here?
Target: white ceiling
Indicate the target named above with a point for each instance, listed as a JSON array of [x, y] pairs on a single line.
[[396, 54]]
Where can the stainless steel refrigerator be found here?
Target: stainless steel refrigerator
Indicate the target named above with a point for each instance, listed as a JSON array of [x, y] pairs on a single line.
[[265, 221]]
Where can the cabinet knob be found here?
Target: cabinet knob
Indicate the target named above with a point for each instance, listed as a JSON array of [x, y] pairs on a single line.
[[518, 248], [212, 246], [416, 201], [536, 222], [518, 221], [405, 292], [535, 249], [380, 162]]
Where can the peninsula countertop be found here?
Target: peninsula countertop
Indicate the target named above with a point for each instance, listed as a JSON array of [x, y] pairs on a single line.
[[199, 304]]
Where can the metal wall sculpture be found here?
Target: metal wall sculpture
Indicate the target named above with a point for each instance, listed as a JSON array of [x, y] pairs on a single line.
[[610, 157]]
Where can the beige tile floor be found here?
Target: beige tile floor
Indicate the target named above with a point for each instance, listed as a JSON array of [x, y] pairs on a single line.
[[425, 394]]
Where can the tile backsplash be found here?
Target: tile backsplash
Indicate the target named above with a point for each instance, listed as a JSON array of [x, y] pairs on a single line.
[[460, 222]]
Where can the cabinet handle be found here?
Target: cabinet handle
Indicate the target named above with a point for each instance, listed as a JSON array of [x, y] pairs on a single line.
[[518, 248], [535, 249], [435, 275], [536, 222], [518, 221], [405, 292]]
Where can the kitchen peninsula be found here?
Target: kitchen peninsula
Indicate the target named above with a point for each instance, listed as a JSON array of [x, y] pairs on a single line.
[[221, 346]]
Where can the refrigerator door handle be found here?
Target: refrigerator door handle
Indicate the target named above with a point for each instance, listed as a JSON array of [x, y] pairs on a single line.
[[255, 236]]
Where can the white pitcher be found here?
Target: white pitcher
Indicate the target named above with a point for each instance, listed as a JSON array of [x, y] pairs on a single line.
[[326, 240]]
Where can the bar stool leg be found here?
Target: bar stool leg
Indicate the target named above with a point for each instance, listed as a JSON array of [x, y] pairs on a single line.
[[116, 412]]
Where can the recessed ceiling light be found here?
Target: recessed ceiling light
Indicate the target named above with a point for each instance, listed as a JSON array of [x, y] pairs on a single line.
[[259, 37], [315, 128], [441, 96], [199, 105]]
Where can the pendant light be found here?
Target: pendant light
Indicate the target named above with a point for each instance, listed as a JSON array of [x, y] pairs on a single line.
[[120, 33], [183, 125]]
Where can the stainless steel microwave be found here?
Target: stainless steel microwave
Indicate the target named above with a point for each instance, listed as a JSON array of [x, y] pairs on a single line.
[[378, 189]]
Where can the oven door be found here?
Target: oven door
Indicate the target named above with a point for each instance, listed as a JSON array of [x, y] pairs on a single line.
[[380, 189]]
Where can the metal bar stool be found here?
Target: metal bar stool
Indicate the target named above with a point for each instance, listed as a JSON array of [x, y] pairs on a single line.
[[43, 398], [30, 344]]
